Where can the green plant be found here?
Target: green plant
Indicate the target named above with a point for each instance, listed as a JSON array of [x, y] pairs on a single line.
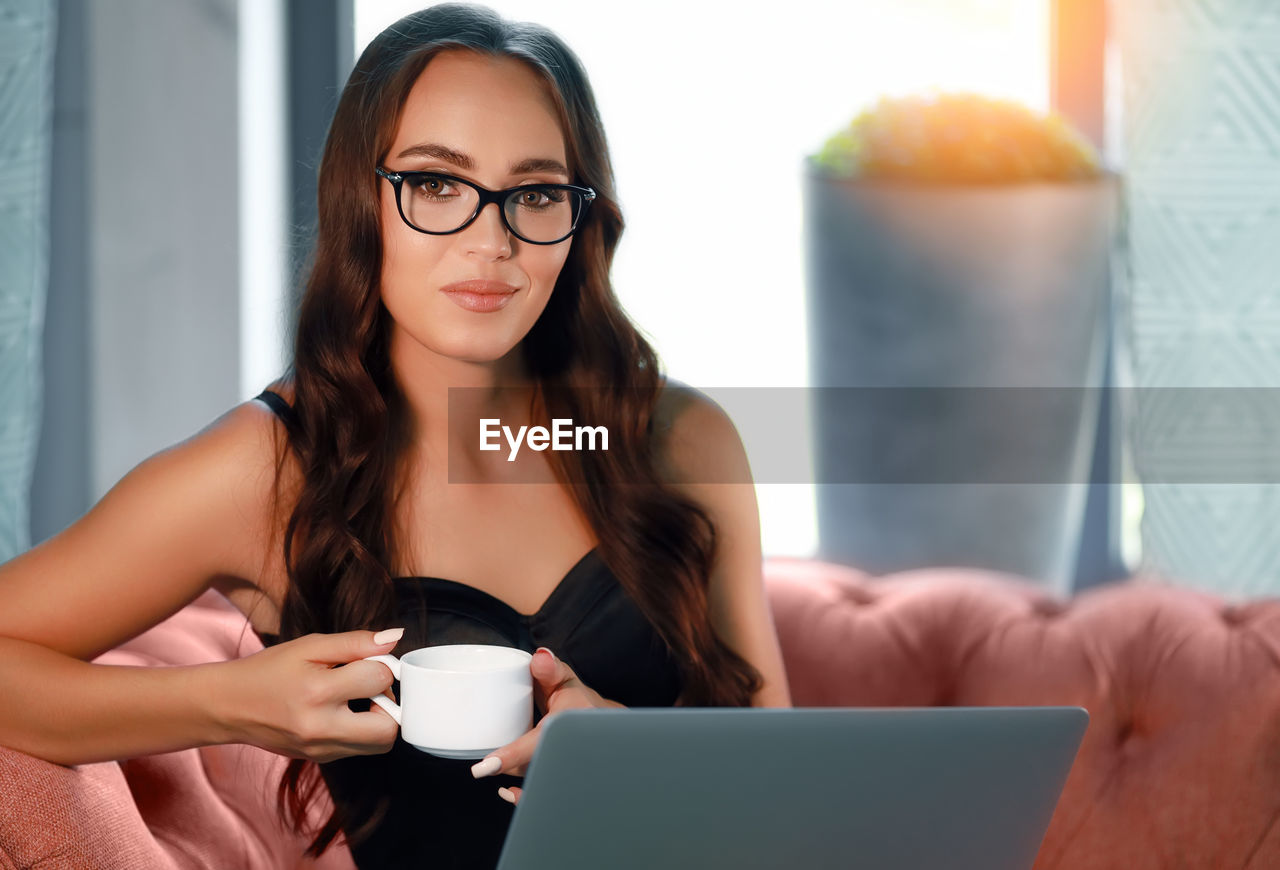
[[958, 138]]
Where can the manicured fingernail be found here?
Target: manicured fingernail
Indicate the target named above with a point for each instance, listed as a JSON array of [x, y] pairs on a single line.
[[488, 767], [545, 650], [507, 795], [390, 635]]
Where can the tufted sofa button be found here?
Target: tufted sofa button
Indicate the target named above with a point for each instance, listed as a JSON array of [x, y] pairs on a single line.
[[857, 595], [1048, 608]]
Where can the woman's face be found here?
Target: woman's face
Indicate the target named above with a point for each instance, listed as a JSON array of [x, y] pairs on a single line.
[[494, 113]]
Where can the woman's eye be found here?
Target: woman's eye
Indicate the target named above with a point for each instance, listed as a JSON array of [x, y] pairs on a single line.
[[540, 197], [430, 185]]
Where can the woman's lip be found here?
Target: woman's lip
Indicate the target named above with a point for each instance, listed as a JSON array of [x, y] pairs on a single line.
[[479, 301], [478, 285]]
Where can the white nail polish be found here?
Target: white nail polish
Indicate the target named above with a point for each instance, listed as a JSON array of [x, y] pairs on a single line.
[[388, 636], [507, 795], [488, 767]]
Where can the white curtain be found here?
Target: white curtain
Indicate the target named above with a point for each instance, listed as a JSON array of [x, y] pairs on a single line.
[[1202, 144], [26, 101]]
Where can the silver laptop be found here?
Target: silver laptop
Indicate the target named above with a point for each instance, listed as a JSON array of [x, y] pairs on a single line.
[[804, 788]]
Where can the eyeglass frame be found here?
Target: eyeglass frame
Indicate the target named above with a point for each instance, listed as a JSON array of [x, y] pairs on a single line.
[[487, 196]]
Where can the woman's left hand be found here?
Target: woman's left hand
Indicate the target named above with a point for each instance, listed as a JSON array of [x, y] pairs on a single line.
[[555, 687]]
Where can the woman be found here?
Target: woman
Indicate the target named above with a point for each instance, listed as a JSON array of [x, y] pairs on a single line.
[[332, 514]]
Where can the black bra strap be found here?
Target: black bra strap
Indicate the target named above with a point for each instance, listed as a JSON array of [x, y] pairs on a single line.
[[281, 408]]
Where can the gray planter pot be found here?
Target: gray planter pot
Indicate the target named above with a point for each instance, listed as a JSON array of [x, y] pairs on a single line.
[[973, 290]]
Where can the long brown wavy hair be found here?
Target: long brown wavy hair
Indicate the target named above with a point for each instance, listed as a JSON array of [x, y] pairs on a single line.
[[587, 358]]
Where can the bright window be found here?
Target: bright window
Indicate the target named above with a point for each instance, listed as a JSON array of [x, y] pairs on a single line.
[[709, 110]]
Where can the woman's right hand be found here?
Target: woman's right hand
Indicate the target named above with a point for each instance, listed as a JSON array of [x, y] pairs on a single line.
[[291, 699]]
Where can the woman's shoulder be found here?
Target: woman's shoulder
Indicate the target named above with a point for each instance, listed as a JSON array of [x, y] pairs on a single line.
[[240, 437], [271, 409], [698, 442], [264, 436], [261, 474], [249, 432], [681, 408], [283, 388]]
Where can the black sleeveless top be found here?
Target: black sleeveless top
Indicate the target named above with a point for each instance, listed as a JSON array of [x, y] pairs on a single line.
[[439, 815]]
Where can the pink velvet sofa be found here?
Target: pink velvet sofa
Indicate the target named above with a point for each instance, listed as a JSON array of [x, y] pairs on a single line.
[[1180, 766]]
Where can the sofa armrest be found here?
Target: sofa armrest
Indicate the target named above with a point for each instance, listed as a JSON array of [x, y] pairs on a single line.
[[209, 806]]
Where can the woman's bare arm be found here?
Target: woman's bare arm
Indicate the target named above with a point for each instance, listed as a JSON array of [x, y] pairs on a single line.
[[149, 547]]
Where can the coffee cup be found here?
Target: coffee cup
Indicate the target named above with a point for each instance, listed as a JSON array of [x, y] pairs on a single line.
[[460, 700]]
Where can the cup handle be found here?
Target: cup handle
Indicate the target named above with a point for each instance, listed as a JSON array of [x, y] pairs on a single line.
[[382, 700]]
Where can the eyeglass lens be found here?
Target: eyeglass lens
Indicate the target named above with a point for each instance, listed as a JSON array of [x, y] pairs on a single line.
[[440, 205]]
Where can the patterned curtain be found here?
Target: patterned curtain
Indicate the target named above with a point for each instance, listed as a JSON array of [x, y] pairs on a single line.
[[26, 102], [1202, 145]]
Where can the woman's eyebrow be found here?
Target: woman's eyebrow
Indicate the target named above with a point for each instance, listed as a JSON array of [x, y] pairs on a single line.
[[464, 161]]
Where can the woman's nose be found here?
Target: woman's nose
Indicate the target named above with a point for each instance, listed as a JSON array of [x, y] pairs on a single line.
[[488, 233]]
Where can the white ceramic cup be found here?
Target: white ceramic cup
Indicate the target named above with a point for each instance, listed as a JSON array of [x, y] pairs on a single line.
[[460, 700]]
